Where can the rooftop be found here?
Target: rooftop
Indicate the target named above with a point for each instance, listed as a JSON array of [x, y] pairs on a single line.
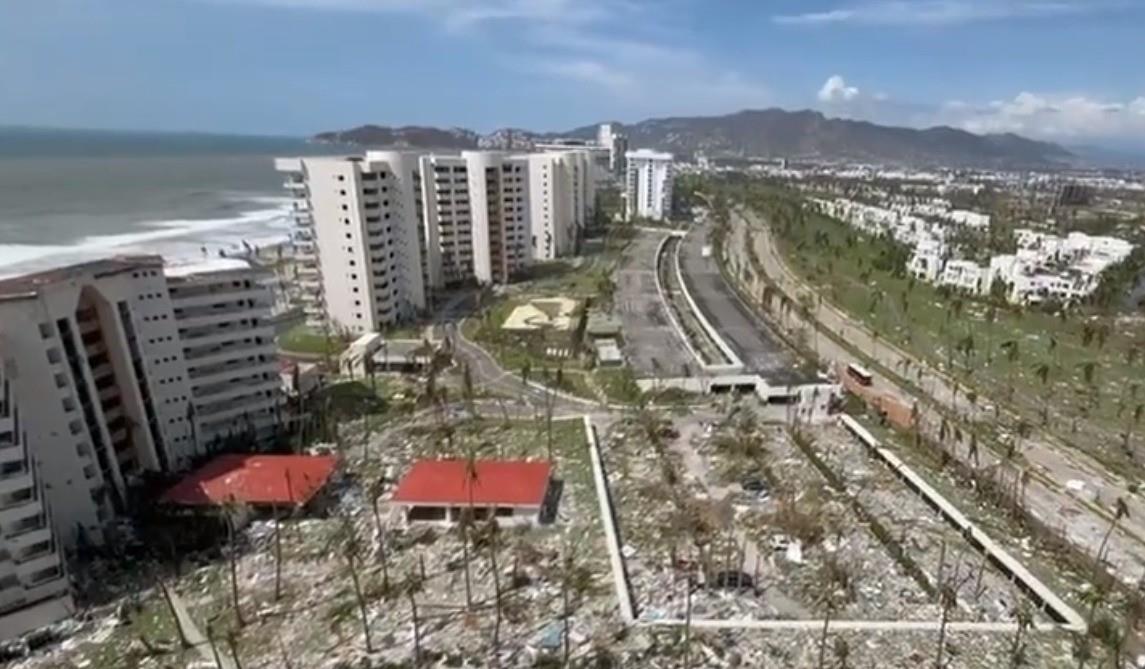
[[29, 284], [206, 267], [253, 479], [497, 483]]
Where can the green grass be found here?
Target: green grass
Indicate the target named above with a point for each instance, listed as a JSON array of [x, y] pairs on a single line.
[[1002, 346], [305, 339]]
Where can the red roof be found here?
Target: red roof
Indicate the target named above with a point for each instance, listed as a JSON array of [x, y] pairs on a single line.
[[498, 483], [253, 479]]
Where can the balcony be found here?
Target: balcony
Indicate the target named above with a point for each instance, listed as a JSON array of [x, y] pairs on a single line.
[[220, 336], [202, 357], [216, 412], [218, 317], [240, 369], [207, 299], [294, 184], [223, 417], [206, 396]]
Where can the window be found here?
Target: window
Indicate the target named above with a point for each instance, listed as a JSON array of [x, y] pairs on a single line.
[[45, 330], [54, 355]]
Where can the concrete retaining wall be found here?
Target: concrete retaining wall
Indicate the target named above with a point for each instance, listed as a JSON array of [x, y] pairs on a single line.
[[1053, 605], [611, 527]]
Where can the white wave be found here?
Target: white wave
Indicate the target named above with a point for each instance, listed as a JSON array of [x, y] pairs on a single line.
[[175, 239]]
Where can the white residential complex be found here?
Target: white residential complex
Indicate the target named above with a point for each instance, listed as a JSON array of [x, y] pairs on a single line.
[[124, 366], [649, 184], [379, 234], [1045, 267]]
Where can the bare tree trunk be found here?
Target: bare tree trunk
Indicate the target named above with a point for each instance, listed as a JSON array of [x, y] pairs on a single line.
[[277, 554], [942, 636], [496, 592], [465, 559], [362, 609], [233, 644], [383, 556], [416, 628], [823, 638], [565, 613], [214, 648], [688, 622], [232, 558]]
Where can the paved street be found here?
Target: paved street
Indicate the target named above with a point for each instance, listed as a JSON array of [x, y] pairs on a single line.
[[1047, 496], [751, 340]]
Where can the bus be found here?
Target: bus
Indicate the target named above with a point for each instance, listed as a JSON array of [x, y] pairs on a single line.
[[859, 374]]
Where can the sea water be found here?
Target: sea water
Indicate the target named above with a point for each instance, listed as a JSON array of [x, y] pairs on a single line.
[[71, 196]]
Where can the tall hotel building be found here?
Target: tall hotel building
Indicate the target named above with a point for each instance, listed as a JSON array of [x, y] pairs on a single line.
[[378, 235], [123, 366], [649, 184]]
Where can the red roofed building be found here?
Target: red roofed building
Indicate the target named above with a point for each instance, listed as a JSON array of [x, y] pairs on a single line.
[[255, 480], [515, 491]]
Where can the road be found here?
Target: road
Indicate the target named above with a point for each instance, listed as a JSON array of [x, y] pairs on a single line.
[[751, 340], [1083, 515]]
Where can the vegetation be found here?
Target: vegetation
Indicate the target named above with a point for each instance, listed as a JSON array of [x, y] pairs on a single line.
[[1076, 371], [308, 340]]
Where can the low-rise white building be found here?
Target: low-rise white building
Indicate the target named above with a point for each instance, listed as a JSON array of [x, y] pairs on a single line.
[[963, 275], [1044, 267]]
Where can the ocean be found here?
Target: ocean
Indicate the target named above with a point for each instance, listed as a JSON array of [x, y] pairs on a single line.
[[70, 196]]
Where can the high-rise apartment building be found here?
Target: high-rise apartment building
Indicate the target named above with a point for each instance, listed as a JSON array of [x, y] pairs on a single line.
[[34, 589], [561, 196], [222, 313], [378, 234], [617, 145], [97, 357], [649, 184], [498, 194], [361, 238]]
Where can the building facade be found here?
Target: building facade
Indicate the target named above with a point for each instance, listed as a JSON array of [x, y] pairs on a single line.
[[377, 236], [358, 230], [562, 192], [649, 184], [34, 589], [222, 312], [97, 359]]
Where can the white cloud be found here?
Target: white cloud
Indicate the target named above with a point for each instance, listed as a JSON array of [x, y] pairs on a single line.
[[591, 71], [1059, 117], [456, 13], [943, 12], [836, 90], [651, 70]]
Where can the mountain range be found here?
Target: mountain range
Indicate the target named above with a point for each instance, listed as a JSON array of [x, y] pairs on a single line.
[[753, 133]]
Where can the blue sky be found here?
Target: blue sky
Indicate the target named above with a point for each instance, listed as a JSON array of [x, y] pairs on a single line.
[[1067, 70]]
